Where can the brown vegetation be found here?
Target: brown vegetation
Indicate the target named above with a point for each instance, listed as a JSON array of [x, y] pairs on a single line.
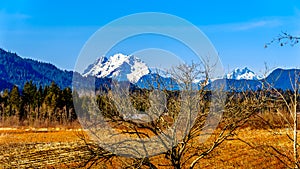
[[257, 129], [63, 149]]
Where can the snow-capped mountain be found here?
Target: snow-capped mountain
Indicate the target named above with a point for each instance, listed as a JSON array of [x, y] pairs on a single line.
[[120, 66], [239, 74], [132, 69]]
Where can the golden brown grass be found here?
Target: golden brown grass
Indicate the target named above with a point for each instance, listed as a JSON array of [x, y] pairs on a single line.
[[230, 154], [237, 154], [234, 153], [33, 135]]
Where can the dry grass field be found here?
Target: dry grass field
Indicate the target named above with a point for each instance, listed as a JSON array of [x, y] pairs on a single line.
[[61, 148], [41, 148]]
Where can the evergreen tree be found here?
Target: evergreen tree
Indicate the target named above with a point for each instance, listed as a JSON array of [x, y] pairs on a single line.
[[67, 101], [28, 97], [4, 103], [38, 99], [14, 102]]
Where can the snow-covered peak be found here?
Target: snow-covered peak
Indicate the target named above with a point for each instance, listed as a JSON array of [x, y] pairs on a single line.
[[98, 61], [120, 66], [239, 74]]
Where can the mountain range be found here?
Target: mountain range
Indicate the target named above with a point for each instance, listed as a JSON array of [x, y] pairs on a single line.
[[15, 70]]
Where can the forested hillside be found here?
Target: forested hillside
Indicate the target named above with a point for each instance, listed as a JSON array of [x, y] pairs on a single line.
[[15, 70]]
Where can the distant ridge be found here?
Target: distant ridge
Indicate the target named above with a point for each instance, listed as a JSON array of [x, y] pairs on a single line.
[[15, 70]]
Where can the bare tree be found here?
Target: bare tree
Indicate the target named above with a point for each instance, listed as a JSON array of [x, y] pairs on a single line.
[[290, 100], [276, 111], [179, 125]]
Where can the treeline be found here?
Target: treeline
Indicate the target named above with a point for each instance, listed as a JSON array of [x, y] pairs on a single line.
[[51, 105], [34, 105]]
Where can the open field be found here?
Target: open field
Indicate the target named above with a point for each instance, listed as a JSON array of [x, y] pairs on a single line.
[[40, 148], [56, 148]]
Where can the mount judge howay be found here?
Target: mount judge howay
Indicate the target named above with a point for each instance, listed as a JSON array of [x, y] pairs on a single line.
[[15, 70]]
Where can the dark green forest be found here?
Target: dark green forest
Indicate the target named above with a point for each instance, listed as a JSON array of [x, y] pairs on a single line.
[[36, 106]]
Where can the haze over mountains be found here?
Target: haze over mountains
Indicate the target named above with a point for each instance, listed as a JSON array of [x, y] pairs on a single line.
[[15, 70]]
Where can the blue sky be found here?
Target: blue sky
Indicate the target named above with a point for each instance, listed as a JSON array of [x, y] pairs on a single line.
[[55, 31]]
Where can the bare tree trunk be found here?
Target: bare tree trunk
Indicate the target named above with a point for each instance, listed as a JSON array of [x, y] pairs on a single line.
[[295, 131], [295, 142]]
